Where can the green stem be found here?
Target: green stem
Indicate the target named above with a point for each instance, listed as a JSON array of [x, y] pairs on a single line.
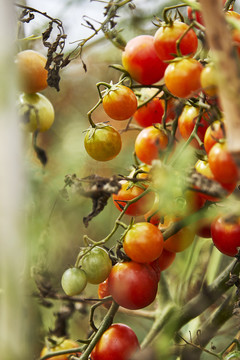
[[166, 9], [178, 42], [106, 322], [89, 114]]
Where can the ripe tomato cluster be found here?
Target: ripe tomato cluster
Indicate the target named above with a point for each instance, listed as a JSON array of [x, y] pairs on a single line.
[[170, 92]]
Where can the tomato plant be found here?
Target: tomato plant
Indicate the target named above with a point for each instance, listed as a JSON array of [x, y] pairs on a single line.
[[225, 231], [64, 344], [119, 102], [130, 191], [102, 142], [97, 265], [150, 114], [166, 37], [32, 75], [118, 342], [36, 112], [182, 78], [153, 138], [140, 59], [143, 242], [133, 285]]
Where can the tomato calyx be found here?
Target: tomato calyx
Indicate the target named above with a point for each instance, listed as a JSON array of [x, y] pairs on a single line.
[[93, 129]]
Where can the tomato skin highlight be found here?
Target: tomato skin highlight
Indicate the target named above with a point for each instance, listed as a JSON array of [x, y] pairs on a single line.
[[141, 60], [118, 342], [120, 102], [133, 285], [149, 143], [103, 143], [143, 242], [129, 192], [226, 235], [166, 37], [182, 78]]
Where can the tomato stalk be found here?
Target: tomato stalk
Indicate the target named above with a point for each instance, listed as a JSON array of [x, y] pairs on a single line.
[[178, 42], [191, 137], [166, 9], [106, 322]]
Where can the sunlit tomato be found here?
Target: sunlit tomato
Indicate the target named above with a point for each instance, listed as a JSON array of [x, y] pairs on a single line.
[[186, 122], [31, 71], [203, 167], [128, 192], [141, 60], [133, 285], [222, 164], [119, 102], [166, 37], [103, 142], [36, 112], [225, 231], [74, 281], [182, 78], [143, 242], [149, 114], [141, 171], [214, 132], [65, 344], [150, 142], [97, 265], [179, 241], [163, 262], [209, 80], [118, 342]]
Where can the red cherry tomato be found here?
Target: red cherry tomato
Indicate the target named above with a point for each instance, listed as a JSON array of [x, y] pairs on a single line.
[[225, 231], [187, 121], [150, 142], [222, 164], [143, 242], [130, 191], [182, 78], [103, 291], [166, 37], [150, 114], [119, 102], [133, 285], [203, 167], [141, 60], [214, 132], [195, 15], [118, 342], [163, 262]]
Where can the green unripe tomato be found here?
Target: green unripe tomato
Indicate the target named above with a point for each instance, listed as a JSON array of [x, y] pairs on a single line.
[[97, 265], [74, 281], [36, 112]]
